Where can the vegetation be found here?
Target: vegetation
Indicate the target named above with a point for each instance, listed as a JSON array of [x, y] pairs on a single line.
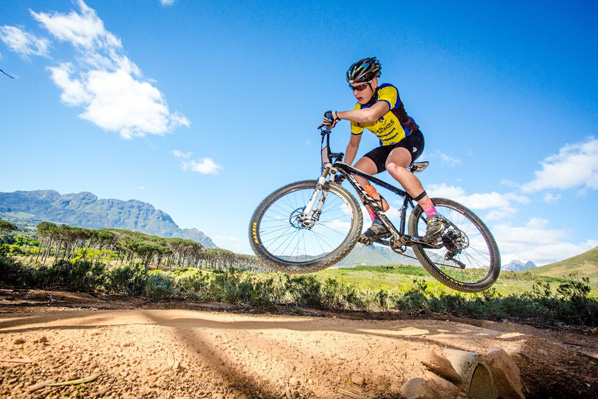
[[7, 226], [53, 243], [134, 264], [585, 264]]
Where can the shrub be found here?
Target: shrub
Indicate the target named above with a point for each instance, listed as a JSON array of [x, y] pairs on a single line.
[[192, 284], [127, 280], [305, 291], [158, 285], [78, 276]]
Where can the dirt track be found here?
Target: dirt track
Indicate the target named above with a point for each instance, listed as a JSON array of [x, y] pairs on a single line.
[[221, 352]]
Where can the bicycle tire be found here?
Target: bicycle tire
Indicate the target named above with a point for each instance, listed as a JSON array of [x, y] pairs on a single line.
[[278, 239], [480, 254]]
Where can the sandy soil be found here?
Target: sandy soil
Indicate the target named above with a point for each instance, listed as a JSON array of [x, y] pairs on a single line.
[[149, 350]]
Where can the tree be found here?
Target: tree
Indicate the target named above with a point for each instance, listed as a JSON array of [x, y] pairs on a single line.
[[7, 226]]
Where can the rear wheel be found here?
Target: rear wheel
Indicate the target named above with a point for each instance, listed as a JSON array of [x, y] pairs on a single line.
[[468, 259], [286, 242]]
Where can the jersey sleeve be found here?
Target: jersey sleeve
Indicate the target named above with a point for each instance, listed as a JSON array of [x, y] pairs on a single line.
[[355, 128], [390, 95]]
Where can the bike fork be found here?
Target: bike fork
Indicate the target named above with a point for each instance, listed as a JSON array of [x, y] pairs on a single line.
[[311, 213]]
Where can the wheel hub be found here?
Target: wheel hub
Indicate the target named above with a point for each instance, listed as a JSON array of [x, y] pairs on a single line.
[[455, 240], [299, 221]]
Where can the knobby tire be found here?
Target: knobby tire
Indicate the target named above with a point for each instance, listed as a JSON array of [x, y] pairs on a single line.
[[278, 239], [481, 257]]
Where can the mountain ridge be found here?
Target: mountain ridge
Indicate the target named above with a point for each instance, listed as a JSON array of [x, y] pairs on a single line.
[[86, 210], [582, 265], [518, 266]]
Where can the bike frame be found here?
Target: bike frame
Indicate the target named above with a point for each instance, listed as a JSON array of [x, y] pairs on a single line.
[[331, 166]]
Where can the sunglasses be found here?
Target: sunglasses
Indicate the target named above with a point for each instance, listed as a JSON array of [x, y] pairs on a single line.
[[360, 87]]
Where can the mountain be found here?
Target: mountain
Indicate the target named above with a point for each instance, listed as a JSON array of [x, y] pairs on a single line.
[[518, 266], [584, 265], [28, 208], [374, 255]]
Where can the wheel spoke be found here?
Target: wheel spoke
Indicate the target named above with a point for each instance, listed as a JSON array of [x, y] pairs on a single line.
[[286, 238], [466, 241]]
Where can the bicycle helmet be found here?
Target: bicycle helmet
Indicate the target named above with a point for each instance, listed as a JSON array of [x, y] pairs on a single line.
[[364, 70]]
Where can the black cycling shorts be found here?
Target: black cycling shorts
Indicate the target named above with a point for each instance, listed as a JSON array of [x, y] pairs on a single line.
[[414, 143]]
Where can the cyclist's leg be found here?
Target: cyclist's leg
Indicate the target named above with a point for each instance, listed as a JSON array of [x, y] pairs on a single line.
[[365, 165], [397, 165], [373, 163]]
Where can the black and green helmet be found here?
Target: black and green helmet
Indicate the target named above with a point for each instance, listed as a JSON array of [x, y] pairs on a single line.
[[364, 70]]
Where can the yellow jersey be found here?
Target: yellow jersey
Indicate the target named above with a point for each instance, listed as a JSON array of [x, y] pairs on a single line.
[[393, 126]]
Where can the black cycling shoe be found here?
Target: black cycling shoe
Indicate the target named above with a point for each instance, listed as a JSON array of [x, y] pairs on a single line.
[[434, 229], [377, 230]]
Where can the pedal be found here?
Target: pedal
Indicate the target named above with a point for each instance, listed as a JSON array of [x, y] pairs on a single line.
[[365, 240]]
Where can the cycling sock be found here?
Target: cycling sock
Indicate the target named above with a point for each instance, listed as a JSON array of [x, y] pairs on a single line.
[[372, 215], [431, 211]]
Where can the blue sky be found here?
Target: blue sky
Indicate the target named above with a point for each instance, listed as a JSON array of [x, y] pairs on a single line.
[[204, 108]]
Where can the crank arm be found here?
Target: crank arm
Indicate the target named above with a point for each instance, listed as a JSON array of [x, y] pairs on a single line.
[[413, 240]]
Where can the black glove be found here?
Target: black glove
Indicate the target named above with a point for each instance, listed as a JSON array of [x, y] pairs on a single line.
[[338, 178], [330, 118]]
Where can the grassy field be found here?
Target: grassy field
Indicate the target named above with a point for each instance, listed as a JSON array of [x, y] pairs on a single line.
[[398, 277], [585, 264]]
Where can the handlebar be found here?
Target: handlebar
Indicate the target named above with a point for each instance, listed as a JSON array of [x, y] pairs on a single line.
[[327, 154]]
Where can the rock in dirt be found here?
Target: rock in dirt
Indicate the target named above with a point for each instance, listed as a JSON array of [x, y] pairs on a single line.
[[441, 366], [444, 389], [417, 388], [506, 374], [357, 379]]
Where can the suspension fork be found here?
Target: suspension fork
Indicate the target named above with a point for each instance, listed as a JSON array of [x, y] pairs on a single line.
[[308, 219]]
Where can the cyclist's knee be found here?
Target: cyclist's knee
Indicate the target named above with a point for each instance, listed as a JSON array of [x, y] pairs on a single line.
[[397, 168]]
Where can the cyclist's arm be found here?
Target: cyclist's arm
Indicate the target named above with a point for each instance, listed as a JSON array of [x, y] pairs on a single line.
[[366, 115], [352, 148]]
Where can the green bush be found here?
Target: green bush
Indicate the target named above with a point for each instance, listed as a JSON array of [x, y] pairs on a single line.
[[158, 285], [553, 302], [127, 280], [77, 276], [192, 284]]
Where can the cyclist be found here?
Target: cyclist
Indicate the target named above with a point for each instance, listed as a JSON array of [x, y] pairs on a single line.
[[380, 109]]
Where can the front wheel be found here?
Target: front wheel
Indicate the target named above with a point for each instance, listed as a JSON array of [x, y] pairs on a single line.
[[284, 240], [468, 259]]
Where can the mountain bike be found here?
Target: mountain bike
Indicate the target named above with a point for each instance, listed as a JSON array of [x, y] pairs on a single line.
[[310, 225]]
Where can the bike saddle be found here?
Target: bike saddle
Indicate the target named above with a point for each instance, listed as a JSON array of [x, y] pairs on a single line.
[[419, 166]]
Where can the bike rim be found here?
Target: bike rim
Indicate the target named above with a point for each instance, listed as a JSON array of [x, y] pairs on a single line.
[[472, 259], [283, 235]]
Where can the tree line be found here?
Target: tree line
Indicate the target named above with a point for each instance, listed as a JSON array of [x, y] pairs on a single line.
[[64, 242]]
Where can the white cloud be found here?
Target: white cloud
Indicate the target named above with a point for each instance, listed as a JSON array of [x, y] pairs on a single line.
[[536, 242], [206, 166], [24, 43], [498, 205], [167, 2], [551, 198], [180, 154], [203, 165], [83, 29], [576, 165], [102, 80], [445, 160]]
